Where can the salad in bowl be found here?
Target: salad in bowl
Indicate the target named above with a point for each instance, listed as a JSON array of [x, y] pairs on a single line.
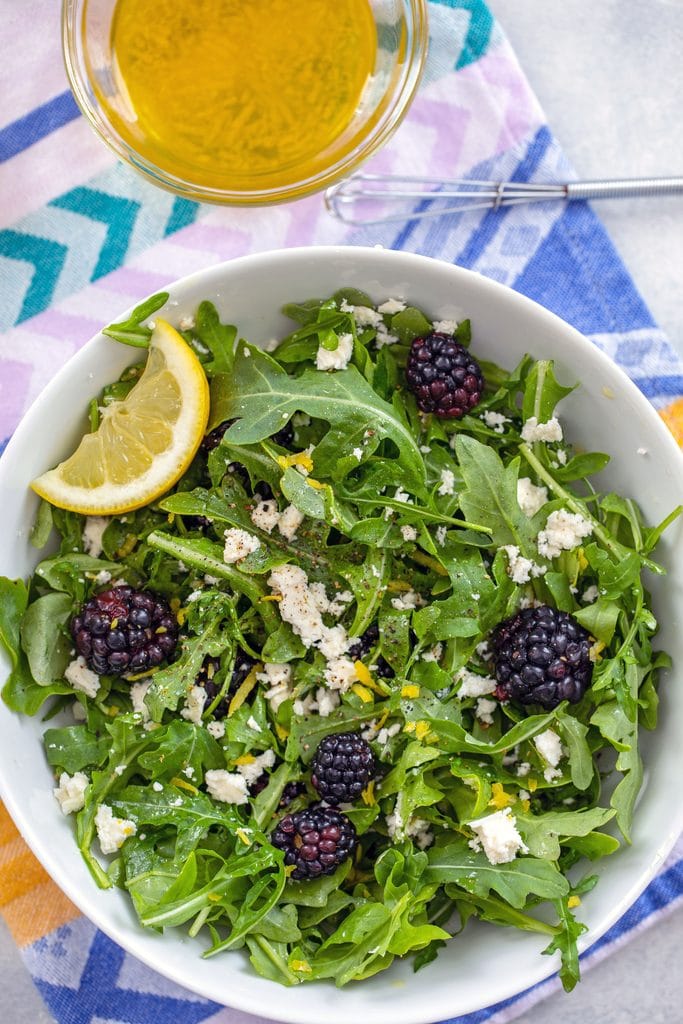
[[340, 646]]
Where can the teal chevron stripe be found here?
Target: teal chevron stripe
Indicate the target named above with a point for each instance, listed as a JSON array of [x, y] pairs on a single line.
[[184, 212], [47, 258], [479, 32], [118, 213]]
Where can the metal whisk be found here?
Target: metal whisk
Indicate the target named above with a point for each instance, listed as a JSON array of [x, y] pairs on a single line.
[[371, 198]]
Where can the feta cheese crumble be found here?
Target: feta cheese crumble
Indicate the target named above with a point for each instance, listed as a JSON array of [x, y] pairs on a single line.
[[495, 420], [92, 534], [227, 787], [112, 832], [194, 705], [216, 729], [408, 533], [590, 594], [549, 746], [406, 602], [278, 680], [447, 485], [530, 498], [472, 685], [392, 306], [70, 793], [484, 710], [265, 515], [255, 769], [82, 678], [497, 834], [289, 522], [535, 431], [338, 359], [445, 326], [521, 569], [298, 607], [563, 532], [239, 544]]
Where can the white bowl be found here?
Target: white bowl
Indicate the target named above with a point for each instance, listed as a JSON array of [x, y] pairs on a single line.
[[607, 414]]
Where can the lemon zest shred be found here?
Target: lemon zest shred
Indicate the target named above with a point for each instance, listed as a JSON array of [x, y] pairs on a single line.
[[500, 799], [526, 805], [282, 733], [410, 690], [573, 901], [315, 484], [532, 785], [181, 616], [243, 837], [422, 729], [429, 562], [302, 459], [127, 546], [409, 727], [362, 692], [365, 677], [363, 673], [382, 719], [398, 586], [595, 651], [245, 759], [368, 794], [271, 597], [184, 784], [302, 966], [243, 692]]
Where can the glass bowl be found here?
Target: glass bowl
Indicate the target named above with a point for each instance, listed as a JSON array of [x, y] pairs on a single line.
[[402, 40]]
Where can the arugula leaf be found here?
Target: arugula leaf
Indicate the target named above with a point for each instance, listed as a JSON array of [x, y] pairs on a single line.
[[261, 396], [451, 860]]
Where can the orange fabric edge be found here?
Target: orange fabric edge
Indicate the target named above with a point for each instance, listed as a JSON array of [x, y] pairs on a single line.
[[30, 902]]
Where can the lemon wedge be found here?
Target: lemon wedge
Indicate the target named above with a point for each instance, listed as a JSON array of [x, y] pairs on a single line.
[[144, 442]]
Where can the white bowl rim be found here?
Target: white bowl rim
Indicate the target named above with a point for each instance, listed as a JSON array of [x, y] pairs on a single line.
[[95, 910]]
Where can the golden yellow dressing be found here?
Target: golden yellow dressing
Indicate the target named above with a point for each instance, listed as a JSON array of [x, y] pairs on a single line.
[[240, 93]]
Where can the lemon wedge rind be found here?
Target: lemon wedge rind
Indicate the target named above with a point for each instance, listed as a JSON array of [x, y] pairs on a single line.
[[144, 443]]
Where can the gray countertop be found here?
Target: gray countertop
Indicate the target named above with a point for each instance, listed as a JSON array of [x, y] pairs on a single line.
[[610, 78]]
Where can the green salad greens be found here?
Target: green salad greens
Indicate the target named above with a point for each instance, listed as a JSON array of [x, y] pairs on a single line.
[[419, 533]]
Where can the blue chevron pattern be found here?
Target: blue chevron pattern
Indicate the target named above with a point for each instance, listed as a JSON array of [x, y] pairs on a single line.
[[83, 977], [82, 235], [47, 259], [117, 213]]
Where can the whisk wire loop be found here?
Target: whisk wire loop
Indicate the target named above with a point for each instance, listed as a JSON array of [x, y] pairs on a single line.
[[356, 200]]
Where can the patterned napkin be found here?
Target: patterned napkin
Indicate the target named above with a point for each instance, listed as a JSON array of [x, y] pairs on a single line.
[[82, 237]]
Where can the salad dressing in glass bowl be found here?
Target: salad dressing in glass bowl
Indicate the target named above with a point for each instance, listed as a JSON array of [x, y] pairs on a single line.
[[231, 103]]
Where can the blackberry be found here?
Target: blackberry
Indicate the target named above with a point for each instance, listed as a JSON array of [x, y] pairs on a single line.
[[342, 767], [365, 645], [316, 841], [291, 791], [542, 656], [206, 678], [443, 376], [124, 630]]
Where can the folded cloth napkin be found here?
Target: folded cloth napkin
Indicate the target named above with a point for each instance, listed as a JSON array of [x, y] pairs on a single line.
[[83, 237]]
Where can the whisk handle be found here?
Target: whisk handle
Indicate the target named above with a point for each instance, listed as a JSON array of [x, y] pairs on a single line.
[[625, 188]]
